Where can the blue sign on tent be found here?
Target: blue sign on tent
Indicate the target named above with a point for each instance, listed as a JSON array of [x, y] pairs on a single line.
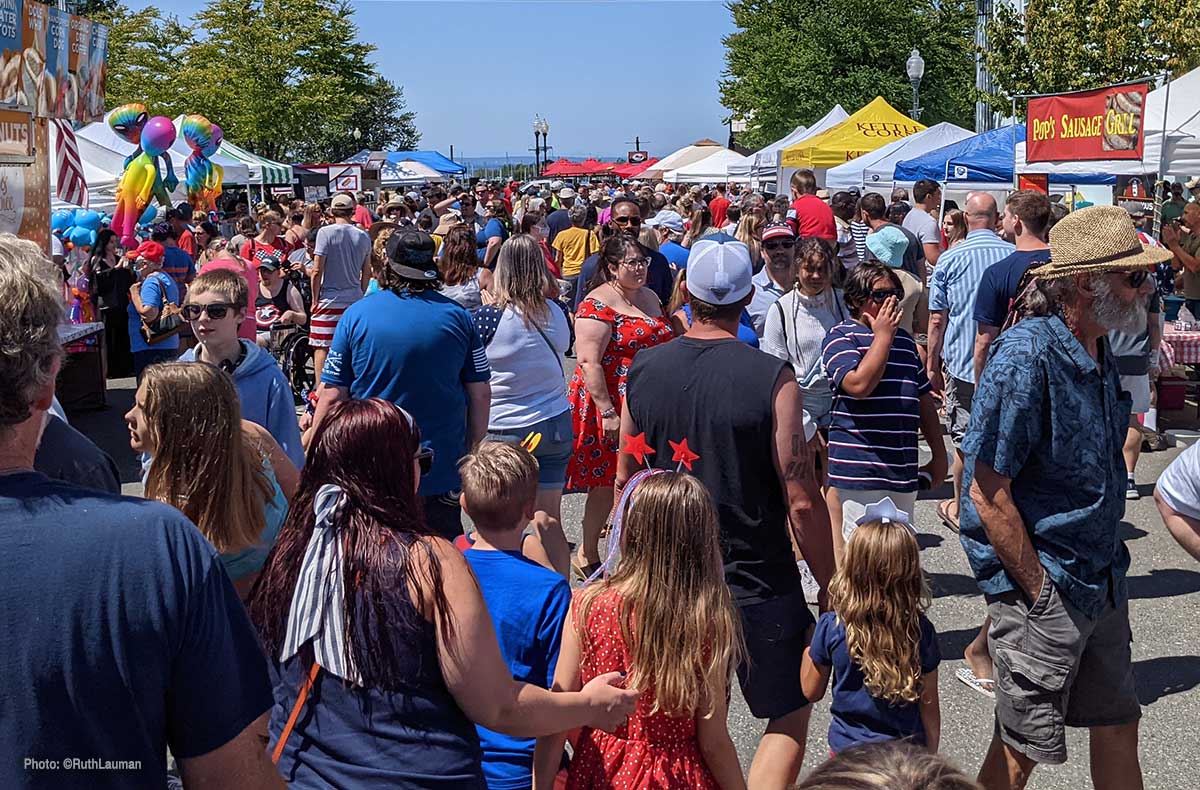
[[431, 159]]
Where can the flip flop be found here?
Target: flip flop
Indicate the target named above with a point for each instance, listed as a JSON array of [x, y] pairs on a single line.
[[943, 511], [982, 685]]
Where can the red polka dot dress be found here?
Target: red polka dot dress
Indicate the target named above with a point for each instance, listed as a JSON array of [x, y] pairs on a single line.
[[657, 751], [593, 463]]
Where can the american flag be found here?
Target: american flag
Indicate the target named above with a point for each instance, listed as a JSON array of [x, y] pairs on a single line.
[[70, 184]]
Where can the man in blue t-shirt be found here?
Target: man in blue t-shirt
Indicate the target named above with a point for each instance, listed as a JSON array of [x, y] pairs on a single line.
[[1025, 223], [122, 637], [410, 345], [669, 227], [527, 601]]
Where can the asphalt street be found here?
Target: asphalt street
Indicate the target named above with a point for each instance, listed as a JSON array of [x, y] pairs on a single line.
[[1164, 585]]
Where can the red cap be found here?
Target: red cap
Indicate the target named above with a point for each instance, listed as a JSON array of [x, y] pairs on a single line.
[[150, 250], [778, 229]]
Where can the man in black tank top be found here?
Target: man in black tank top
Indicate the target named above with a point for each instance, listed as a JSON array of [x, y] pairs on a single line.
[[741, 412]]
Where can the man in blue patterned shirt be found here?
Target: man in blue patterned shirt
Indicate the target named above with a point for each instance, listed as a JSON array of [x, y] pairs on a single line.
[[1044, 493]]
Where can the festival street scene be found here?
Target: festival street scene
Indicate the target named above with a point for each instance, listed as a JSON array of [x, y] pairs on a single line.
[[599, 395]]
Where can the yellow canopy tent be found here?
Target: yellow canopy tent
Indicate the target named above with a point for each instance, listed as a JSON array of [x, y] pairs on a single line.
[[873, 126]]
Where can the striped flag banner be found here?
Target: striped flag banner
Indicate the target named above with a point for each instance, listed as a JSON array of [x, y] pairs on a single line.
[[70, 184]]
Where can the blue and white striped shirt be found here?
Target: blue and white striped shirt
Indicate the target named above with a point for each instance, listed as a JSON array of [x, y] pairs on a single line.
[[953, 286], [873, 439]]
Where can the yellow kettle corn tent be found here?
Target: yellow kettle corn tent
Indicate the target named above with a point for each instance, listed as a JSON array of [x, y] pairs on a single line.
[[873, 126]]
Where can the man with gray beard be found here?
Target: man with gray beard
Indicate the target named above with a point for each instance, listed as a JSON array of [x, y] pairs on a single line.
[[1043, 495]]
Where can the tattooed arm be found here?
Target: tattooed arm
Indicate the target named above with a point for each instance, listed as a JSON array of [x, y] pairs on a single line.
[[807, 514]]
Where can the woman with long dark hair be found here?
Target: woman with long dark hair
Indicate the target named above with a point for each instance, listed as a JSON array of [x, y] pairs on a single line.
[[384, 649], [462, 276], [111, 275], [619, 317]]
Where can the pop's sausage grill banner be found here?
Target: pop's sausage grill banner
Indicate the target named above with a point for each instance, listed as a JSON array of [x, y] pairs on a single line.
[[1087, 125]]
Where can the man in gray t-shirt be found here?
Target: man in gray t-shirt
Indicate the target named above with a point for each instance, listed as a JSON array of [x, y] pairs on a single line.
[[339, 275], [922, 220]]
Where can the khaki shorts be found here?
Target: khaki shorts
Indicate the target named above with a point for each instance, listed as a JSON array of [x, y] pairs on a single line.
[[1055, 668]]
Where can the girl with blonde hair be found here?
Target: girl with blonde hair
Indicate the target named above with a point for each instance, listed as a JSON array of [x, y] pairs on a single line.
[[680, 657], [880, 648], [226, 474]]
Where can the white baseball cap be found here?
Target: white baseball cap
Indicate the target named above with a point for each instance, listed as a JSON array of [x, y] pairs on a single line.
[[667, 219], [719, 270]]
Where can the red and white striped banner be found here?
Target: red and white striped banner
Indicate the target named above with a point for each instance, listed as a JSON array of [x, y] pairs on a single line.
[[71, 186]]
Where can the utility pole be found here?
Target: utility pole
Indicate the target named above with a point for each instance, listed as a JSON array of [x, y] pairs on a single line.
[[636, 143]]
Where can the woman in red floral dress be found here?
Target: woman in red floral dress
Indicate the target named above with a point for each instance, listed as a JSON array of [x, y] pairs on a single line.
[[618, 318]]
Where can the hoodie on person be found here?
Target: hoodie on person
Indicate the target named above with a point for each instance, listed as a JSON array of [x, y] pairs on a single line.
[[266, 398]]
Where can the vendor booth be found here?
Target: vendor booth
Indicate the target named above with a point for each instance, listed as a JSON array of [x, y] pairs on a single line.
[[874, 171], [431, 159], [701, 149], [765, 170], [710, 170]]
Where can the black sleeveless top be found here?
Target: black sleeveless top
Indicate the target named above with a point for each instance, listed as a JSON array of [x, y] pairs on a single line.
[[717, 395], [268, 309]]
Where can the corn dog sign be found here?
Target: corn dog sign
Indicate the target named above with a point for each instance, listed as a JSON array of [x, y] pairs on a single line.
[[1087, 125]]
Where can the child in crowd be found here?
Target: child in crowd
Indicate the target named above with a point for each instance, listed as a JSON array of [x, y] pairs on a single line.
[[876, 641], [528, 602], [679, 656], [215, 306], [881, 400]]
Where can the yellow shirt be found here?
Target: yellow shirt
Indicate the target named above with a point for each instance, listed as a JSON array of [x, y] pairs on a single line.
[[575, 244]]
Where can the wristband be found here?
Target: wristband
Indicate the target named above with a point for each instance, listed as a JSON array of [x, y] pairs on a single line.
[[607, 413]]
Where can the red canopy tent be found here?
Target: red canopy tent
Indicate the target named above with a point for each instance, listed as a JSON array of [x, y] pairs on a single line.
[[559, 167], [595, 167], [629, 171]]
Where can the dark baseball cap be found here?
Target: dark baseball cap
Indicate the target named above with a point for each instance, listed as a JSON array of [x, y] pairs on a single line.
[[410, 255]]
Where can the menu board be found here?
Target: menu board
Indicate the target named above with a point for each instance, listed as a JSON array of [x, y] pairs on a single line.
[[34, 89], [11, 21], [79, 65], [93, 87], [52, 62]]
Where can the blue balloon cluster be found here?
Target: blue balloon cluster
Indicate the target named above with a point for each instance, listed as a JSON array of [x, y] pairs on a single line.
[[78, 227]]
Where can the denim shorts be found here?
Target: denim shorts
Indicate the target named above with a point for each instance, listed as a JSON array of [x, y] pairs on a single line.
[[552, 452]]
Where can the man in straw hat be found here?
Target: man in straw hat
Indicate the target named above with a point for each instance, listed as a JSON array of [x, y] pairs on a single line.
[[1044, 493]]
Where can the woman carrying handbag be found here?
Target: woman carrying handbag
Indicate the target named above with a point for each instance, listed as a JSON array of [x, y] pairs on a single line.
[[154, 318]]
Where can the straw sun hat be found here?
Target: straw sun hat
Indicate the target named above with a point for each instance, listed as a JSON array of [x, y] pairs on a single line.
[[1097, 239]]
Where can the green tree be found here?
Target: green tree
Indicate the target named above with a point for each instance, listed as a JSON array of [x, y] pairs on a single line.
[[383, 121], [1064, 45], [145, 51], [790, 61]]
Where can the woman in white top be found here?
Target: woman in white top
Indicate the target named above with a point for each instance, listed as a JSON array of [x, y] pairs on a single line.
[[798, 323], [462, 277], [526, 334]]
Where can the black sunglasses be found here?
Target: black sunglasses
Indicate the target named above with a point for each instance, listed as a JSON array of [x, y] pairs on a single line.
[[634, 221], [1136, 278], [216, 311], [882, 294], [424, 457], [781, 244]]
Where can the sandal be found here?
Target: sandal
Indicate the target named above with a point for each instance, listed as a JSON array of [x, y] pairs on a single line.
[[982, 685], [943, 511]]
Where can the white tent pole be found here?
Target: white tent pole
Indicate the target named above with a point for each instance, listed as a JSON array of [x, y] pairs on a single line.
[[1160, 193]]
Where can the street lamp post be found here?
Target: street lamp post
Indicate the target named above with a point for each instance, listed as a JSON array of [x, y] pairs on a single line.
[[545, 141], [537, 148], [916, 70]]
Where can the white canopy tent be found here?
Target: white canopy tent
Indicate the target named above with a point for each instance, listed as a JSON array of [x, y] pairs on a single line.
[[766, 162], [109, 152], [1182, 115], [701, 149], [407, 172], [874, 170], [713, 169]]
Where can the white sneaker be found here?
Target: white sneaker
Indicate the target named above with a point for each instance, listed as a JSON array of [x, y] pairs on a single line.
[[808, 582]]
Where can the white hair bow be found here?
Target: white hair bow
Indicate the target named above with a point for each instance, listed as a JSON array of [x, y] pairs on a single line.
[[885, 510]]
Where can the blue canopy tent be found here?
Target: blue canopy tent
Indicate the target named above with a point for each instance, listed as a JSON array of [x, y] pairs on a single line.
[[984, 161], [431, 159]]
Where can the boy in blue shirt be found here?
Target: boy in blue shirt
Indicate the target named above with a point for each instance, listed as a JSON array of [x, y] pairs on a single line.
[[528, 602]]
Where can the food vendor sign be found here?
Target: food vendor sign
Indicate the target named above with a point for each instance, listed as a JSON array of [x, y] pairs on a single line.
[[1087, 125]]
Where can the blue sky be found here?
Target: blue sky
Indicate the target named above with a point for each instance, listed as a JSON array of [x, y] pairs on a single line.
[[600, 72]]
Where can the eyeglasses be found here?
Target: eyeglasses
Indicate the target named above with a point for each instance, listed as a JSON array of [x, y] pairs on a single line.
[[632, 221], [216, 311], [424, 458], [778, 244], [1135, 279], [880, 296], [637, 264]]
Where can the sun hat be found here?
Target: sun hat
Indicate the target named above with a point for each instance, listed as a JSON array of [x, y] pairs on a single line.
[[556, 185], [888, 245], [719, 270], [671, 220], [1097, 239], [566, 193], [776, 230], [410, 255], [395, 201], [446, 222]]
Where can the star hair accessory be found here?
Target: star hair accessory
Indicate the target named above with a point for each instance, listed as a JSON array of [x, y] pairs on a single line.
[[885, 510]]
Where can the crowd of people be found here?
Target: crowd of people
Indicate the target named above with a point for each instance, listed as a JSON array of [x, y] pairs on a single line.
[[296, 598]]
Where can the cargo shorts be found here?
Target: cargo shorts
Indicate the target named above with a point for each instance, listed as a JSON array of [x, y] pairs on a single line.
[[1055, 668]]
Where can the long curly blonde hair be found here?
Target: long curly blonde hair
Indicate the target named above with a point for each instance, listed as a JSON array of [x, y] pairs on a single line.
[[879, 594], [676, 613]]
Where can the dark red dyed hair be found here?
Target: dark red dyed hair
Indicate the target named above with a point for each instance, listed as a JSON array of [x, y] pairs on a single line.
[[391, 572]]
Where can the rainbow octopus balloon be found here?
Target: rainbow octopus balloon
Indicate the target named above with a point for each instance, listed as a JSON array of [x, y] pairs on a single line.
[[141, 180], [202, 177]]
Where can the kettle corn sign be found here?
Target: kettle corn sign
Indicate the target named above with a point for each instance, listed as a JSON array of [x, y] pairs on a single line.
[[1087, 125]]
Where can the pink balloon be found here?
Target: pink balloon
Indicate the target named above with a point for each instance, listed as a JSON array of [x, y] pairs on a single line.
[[158, 135]]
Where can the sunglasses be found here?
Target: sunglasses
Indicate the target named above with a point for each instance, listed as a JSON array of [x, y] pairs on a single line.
[[778, 244], [1135, 279], [215, 311], [634, 221], [424, 457], [882, 295]]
